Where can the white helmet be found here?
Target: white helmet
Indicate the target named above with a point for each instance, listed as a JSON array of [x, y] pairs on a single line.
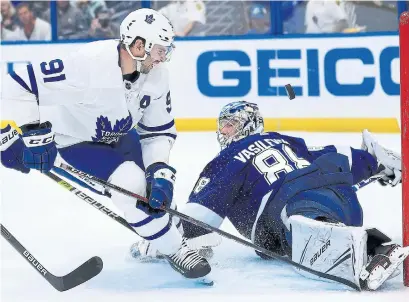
[[150, 25]]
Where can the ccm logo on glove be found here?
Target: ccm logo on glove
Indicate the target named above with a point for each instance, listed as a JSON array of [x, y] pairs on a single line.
[[38, 140]]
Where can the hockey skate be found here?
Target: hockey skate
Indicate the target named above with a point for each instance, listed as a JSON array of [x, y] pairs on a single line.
[[383, 265], [188, 262], [143, 251]]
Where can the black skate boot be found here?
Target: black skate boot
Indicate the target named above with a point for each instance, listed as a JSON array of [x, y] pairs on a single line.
[[188, 262]]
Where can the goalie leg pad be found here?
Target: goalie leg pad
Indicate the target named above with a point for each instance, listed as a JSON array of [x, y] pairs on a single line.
[[337, 204], [330, 248]]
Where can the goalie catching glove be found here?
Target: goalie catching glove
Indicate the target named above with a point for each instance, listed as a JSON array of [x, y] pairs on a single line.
[[389, 161], [160, 179]]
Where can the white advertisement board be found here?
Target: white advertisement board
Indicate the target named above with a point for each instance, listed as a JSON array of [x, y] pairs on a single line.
[[354, 79]]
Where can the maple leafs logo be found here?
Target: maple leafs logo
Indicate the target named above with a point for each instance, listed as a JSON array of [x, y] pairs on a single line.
[[149, 19], [106, 134]]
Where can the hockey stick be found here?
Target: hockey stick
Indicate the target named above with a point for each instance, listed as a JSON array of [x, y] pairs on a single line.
[[191, 220], [83, 273], [88, 199], [367, 181]]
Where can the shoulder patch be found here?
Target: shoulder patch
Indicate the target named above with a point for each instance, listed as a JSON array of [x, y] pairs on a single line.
[[200, 184]]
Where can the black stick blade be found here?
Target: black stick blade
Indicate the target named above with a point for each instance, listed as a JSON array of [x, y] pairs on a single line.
[[81, 274]]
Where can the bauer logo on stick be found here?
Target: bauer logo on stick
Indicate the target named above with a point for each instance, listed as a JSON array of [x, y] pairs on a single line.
[[290, 91]]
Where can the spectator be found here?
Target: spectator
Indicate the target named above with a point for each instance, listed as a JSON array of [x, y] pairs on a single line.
[[185, 15], [331, 16], [33, 28], [88, 8], [102, 27], [9, 21], [8, 35], [39, 8], [259, 19], [70, 21]]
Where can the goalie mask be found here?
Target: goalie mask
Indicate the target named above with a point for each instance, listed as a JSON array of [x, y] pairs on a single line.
[[238, 120]]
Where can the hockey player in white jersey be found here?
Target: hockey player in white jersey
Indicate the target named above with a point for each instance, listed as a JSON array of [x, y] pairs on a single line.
[[83, 110]]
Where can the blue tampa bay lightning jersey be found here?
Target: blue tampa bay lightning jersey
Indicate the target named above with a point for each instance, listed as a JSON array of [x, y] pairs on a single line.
[[234, 183]]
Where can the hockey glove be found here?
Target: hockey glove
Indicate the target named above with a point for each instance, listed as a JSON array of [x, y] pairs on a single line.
[[41, 151], [389, 162], [160, 179], [12, 148]]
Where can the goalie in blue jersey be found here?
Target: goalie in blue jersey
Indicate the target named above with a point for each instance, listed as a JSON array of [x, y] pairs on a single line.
[[295, 200]]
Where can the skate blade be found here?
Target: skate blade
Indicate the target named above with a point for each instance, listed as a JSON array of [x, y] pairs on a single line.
[[204, 281]]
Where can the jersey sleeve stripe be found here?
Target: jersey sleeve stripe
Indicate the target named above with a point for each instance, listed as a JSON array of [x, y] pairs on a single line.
[[160, 233], [33, 82], [144, 136], [157, 128], [142, 222], [19, 81]]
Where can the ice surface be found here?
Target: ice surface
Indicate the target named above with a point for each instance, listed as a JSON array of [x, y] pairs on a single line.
[[62, 232]]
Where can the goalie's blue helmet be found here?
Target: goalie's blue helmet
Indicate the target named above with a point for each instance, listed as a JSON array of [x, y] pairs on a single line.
[[238, 120]]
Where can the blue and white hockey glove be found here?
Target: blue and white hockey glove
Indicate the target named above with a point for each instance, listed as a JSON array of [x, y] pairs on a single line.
[[160, 179], [41, 151], [12, 148]]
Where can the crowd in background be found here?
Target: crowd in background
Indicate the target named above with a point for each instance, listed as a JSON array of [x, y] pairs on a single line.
[[98, 19]]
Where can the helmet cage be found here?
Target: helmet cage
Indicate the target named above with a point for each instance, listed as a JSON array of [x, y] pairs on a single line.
[[242, 119]]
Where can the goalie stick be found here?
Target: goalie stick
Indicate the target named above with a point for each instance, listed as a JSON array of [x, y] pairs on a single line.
[[200, 223], [367, 181], [81, 274]]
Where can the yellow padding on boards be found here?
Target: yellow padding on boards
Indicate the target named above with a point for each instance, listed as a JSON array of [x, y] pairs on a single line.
[[377, 125]]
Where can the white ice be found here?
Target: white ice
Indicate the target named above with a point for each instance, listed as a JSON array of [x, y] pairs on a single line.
[[63, 231]]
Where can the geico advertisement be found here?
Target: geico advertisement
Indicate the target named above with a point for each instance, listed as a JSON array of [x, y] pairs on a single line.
[[331, 77], [345, 71]]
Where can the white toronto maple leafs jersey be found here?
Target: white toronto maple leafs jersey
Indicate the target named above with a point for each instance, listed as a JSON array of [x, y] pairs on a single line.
[[85, 98]]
